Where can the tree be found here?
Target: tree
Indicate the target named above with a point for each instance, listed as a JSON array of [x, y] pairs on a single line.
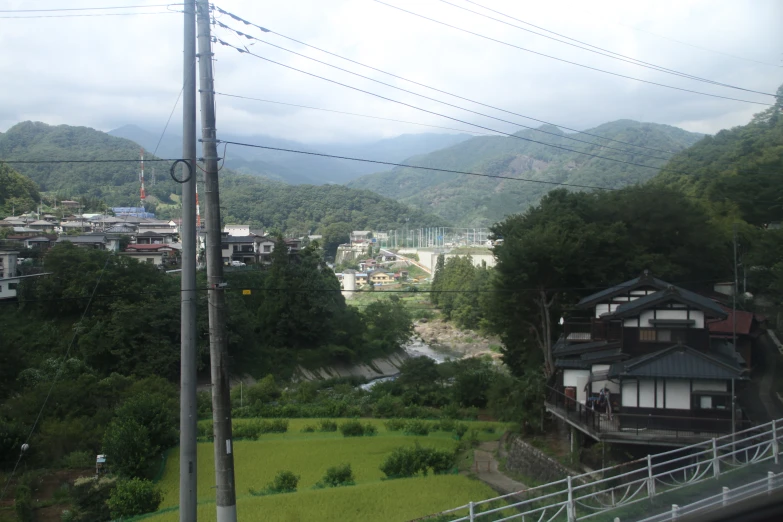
[[127, 446], [134, 497]]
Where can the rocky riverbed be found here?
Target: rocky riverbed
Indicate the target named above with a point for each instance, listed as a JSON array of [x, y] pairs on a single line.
[[441, 335]]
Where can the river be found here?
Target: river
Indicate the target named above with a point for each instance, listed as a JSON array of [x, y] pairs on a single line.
[[418, 348]]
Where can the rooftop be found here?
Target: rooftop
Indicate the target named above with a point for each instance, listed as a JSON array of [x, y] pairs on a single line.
[[672, 293], [678, 361]]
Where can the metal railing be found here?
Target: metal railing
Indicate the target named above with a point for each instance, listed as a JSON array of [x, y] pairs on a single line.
[[632, 424], [584, 496]]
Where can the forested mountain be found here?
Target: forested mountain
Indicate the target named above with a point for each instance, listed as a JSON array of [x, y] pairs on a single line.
[[297, 168], [739, 171], [476, 201], [17, 193], [246, 199]]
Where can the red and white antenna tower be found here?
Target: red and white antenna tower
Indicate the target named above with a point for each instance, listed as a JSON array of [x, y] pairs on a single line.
[[141, 178]]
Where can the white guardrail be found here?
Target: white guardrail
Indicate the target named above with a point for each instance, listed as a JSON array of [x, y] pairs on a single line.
[[584, 496]]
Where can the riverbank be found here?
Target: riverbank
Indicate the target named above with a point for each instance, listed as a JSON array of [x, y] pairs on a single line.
[[444, 335]]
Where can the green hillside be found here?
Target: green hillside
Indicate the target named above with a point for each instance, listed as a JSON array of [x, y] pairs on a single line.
[[739, 171], [247, 199], [475, 201], [18, 193]]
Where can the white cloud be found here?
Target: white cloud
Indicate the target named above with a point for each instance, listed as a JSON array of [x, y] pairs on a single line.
[[105, 72]]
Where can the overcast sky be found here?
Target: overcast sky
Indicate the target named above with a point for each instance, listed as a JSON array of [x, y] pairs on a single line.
[[108, 71]]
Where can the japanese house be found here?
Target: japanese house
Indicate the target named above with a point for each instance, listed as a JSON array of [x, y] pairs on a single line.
[[636, 363]]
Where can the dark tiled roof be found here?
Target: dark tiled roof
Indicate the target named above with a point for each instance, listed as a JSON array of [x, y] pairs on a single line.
[[603, 355], [83, 239], [573, 364], [637, 282], [564, 348], [681, 362], [672, 293], [239, 239]]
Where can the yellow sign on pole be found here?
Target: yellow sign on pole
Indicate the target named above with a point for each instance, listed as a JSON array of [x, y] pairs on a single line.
[[245, 292]]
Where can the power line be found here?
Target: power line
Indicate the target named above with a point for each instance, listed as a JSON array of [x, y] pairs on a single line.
[[440, 114], [168, 121], [562, 136], [84, 15], [12, 162], [83, 8], [264, 29], [350, 113], [56, 376], [596, 49], [700, 47], [567, 61]]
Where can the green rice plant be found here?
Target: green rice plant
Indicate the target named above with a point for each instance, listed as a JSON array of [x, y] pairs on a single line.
[[352, 428], [327, 425], [337, 476], [417, 427], [394, 424]]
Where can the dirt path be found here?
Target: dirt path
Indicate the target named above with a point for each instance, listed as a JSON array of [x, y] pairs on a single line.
[[485, 466]]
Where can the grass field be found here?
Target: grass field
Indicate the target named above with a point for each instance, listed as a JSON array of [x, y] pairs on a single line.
[[309, 455]]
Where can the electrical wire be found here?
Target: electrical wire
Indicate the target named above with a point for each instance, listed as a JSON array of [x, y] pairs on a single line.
[[13, 162], [169, 120], [83, 8], [56, 375], [85, 15], [264, 29], [245, 51], [350, 113], [562, 136], [567, 61], [595, 49]]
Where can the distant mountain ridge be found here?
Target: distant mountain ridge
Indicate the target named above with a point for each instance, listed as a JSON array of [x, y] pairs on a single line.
[[244, 199], [298, 168], [479, 201]]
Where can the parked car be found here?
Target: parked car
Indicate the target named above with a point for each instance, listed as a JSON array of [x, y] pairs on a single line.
[[237, 263]]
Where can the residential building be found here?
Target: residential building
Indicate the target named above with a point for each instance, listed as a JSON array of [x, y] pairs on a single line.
[[9, 275], [640, 366], [151, 237], [41, 225], [157, 255], [361, 236], [39, 243], [380, 277], [237, 230], [97, 241]]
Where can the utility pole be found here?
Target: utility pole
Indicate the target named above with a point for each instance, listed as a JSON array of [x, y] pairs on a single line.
[[734, 334], [221, 402], [188, 411]]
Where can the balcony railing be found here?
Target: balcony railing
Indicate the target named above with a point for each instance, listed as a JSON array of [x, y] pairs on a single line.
[[592, 329], [601, 424]]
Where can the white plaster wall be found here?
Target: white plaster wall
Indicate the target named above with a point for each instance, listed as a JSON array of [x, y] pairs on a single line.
[[646, 393], [570, 377], [629, 394], [678, 394], [659, 394]]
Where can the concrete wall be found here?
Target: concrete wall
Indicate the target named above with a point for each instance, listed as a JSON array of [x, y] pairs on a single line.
[[531, 462], [429, 258]]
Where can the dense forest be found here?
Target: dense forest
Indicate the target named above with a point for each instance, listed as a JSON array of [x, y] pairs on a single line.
[[112, 371], [248, 199], [16, 192], [476, 201]]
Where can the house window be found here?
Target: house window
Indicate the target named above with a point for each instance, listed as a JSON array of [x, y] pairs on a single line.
[[12, 286], [647, 335], [653, 335], [267, 249], [711, 402], [151, 260]]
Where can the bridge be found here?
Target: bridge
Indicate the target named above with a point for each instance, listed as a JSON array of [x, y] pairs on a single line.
[[698, 476]]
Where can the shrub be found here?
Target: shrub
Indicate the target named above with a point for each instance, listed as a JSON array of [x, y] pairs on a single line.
[[447, 425], [461, 429], [134, 497], [23, 504], [337, 476], [264, 391], [386, 406], [327, 425], [352, 428], [309, 428], [285, 482], [205, 430], [247, 430], [276, 426], [370, 430], [89, 496], [127, 446], [394, 424], [409, 461], [204, 404], [417, 427], [78, 460], [489, 429]]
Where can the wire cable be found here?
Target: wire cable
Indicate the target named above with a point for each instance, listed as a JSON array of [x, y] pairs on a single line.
[[169, 121], [567, 61], [350, 113], [12, 162], [562, 136], [595, 49], [443, 115], [264, 29], [84, 15], [450, 171], [83, 8], [57, 374]]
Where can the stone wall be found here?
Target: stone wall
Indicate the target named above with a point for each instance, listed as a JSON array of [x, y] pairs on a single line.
[[532, 462]]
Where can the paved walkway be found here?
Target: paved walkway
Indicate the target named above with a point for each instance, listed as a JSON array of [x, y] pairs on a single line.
[[485, 466]]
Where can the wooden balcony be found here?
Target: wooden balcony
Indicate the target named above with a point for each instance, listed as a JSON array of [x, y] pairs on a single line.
[[593, 329]]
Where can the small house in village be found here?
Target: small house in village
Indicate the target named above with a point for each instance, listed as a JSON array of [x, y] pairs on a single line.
[[379, 277], [641, 366], [157, 255]]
